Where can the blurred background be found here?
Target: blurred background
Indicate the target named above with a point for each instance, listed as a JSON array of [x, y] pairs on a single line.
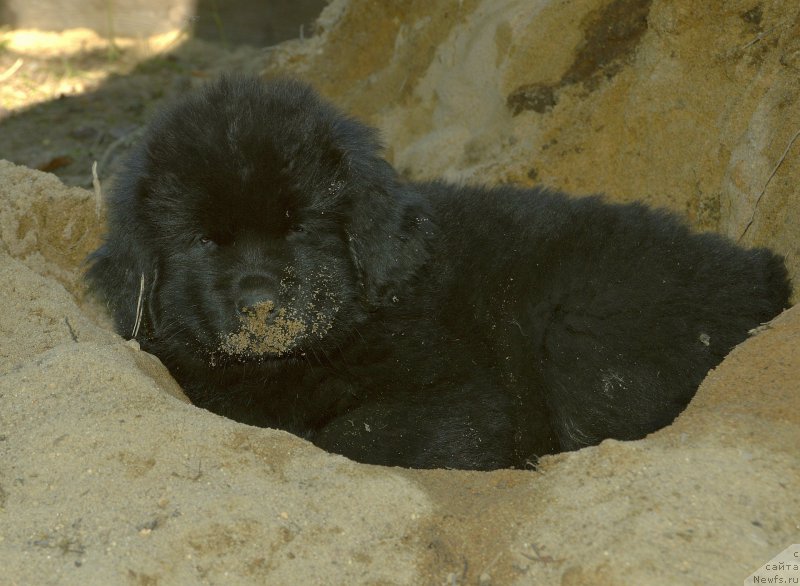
[[80, 78], [254, 22]]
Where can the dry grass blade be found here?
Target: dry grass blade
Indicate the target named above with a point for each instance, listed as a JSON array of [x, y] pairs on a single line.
[[11, 70], [98, 193], [139, 308]]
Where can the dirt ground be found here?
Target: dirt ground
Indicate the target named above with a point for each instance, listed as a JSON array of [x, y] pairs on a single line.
[[107, 474], [70, 99]]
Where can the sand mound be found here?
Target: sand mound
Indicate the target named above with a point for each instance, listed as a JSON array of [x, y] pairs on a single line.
[[108, 475]]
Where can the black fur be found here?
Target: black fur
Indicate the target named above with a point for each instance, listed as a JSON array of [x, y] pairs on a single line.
[[439, 325]]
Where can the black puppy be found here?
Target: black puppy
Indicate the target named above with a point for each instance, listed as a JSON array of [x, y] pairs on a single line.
[[262, 248]]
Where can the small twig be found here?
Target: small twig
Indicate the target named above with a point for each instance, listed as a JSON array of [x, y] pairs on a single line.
[[766, 184], [519, 327], [98, 193], [65, 545], [488, 568], [758, 329], [139, 308], [539, 555], [11, 70], [71, 331], [759, 36]]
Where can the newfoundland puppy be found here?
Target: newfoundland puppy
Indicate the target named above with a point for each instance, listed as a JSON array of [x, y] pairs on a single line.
[[288, 277]]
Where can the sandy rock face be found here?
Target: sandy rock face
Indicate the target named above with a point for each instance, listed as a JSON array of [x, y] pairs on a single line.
[[108, 475], [689, 105]]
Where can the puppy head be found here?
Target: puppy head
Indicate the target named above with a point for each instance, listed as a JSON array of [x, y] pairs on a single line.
[[264, 222]]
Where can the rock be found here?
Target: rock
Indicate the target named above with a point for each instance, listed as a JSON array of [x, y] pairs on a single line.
[[682, 104]]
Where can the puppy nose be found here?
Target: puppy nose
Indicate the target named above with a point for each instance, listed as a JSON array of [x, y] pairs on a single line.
[[255, 292]]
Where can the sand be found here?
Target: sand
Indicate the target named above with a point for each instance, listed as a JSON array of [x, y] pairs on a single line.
[[109, 475]]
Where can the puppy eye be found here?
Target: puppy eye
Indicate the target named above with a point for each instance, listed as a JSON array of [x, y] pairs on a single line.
[[205, 241]]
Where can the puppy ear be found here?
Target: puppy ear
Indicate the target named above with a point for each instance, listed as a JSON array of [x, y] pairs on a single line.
[[389, 230], [121, 271], [389, 221]]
